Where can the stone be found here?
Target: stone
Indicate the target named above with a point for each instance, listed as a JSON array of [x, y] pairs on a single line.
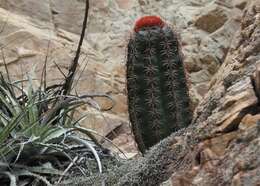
[[241, 4], [125, 4], [211, 62], [227, 119], [241, 97], [246, 178], [199, 156], [200, 77], [202, 89], [221, 52], [36, 11], [216, 146], [192, 65], [102, 123], [28, 27], [213, 19], [249, 121]]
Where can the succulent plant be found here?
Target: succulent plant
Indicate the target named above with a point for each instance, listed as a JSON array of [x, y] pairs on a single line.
[[158, 98]]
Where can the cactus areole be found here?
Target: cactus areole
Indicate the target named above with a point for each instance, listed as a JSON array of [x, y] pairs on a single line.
[[158, 99]]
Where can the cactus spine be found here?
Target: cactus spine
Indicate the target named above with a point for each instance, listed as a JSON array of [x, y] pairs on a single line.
[[158, 97]]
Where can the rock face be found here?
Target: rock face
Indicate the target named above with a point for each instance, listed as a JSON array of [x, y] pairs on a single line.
[[30, 30], [228, 121], [222, 57], [221, 146]]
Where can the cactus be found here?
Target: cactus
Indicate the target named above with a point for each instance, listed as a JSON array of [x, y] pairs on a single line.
[[158, 99]]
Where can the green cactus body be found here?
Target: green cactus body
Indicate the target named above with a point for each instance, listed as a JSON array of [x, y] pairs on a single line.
[[158, 97]]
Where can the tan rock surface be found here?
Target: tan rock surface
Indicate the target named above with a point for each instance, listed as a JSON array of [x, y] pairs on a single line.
[[228, 118], [28, 27], [249, 121], [213, 18], [222, 145]]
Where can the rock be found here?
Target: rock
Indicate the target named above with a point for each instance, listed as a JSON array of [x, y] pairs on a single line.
[[247, 178], [216, 146], [236, 104], [103, 124], [122, 142], [241, 4], [36, 11], [230, 156], [29, 27], [125, 4], [192, 65], [200, 77], [221, 53], [202, 89], [212, 20], [201, 155], [126, 144], [249, 121], [211, 62]]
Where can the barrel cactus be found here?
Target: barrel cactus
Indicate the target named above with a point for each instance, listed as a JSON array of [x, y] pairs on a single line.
[[158, 99]]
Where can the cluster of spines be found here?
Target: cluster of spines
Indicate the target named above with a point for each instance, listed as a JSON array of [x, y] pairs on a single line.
[[157, 93], [176, 77], [152, 83], [134, 109]]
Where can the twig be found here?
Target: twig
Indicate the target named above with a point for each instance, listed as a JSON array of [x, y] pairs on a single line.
[[93, 150], [69, 79], [68, 168], [84, 68], [44, 71]]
